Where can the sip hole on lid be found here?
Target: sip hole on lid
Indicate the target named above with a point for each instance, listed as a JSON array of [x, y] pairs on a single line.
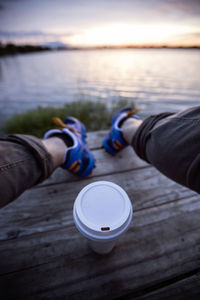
[[105, 228], [102, 210]]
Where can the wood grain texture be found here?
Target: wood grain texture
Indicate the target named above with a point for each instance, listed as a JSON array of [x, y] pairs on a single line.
[[188, 288], [161, 244], [43, 256], [105, 164], [50, 207], [94, 139]]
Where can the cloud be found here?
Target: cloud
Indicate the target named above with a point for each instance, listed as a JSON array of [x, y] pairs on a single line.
[[4, 3], [33, 37], [23, 34], [195, 35], [189, 7], [189, 38]]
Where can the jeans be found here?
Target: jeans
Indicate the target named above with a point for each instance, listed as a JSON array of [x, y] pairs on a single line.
[[24, 162], [171, 143], [168, 141]]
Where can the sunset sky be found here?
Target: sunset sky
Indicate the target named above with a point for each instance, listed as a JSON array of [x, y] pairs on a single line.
[[101, 23]]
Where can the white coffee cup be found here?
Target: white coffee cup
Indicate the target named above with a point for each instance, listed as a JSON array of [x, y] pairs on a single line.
[[102, 212]]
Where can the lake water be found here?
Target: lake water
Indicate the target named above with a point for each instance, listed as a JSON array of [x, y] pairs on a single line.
[[156, 79]]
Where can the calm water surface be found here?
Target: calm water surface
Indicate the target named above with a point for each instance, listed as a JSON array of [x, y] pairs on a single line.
[[156, 80]]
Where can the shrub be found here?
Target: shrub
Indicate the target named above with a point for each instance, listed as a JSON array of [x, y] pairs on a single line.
[[95, 116]]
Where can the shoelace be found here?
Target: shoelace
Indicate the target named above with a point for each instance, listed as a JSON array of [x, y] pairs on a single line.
[[57, 121], [133, 112]]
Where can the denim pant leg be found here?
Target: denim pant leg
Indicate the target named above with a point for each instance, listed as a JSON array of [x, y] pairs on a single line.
[[171, 143], [24, 162]]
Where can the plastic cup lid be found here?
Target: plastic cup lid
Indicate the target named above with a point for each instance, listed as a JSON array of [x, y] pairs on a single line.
[[102, 211]]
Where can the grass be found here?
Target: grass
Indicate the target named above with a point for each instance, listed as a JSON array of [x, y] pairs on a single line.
[[95, 116]]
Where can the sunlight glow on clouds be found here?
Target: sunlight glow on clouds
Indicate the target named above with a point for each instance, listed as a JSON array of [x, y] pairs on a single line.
[[101, 22], [128, 34]]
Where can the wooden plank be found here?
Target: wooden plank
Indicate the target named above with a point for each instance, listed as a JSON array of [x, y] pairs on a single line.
[[161, 244], [105, 164], [141, 219], [188, 288], [52, 261], [50, 208], [95, 138]]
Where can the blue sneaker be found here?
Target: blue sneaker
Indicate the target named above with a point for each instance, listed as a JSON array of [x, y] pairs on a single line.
[[74, 124], [78, 158], [114, 141]]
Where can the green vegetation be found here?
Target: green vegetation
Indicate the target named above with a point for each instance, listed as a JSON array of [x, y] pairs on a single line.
[[95, 116], [11, 49]]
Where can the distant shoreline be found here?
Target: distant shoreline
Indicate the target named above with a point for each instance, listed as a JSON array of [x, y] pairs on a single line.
[[12, 49]]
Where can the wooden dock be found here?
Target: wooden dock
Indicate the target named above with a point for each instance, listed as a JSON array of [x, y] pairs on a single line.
[[43, 256]]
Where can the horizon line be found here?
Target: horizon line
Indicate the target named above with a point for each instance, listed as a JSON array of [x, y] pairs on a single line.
[[126, 46]]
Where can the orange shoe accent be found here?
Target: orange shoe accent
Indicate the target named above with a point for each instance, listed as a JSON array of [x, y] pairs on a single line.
[[74, 165], [117, 145], [77, 168], [133, 112], [57, 121]]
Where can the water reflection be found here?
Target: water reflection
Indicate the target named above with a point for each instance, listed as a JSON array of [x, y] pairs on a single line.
[[1, 71], [156, 79]]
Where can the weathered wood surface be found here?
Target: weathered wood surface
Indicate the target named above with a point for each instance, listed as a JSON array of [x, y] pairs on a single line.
[[42, 256], [105, 163], [187, 288], [50, 207]]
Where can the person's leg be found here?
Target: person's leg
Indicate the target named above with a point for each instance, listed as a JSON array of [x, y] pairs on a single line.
[[171, 143], [56, 147], [26, 160], [129, 128]]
